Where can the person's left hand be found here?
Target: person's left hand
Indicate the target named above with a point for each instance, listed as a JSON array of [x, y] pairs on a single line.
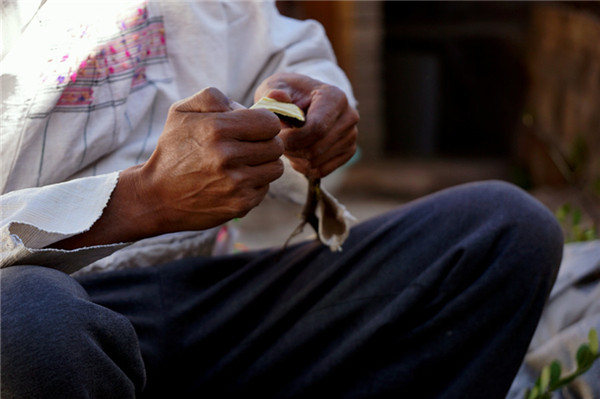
[[327, 140]]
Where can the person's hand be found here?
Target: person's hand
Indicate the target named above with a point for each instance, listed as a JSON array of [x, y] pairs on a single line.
[[328, 138], [213, 162]]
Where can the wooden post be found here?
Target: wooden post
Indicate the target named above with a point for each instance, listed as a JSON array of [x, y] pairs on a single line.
[[562, 119]]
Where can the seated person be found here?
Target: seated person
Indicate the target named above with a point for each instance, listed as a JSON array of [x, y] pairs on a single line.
[[115, 153]]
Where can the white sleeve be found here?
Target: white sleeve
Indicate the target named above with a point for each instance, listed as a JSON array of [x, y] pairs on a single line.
[[32, 219], [49, 132], [265, 43]]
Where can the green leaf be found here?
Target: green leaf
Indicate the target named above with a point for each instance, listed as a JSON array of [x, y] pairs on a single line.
[[584, 357], [555, 372], [562, 212], [590, 234], [550, 379], [533, 394], [576, 216], [545, 379], [593, 336]]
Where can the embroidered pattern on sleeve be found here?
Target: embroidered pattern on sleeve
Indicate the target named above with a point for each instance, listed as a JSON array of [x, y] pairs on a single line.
[[139, 42], [97, 71]]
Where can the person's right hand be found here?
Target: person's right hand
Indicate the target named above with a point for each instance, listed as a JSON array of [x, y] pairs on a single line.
[[213, 162]]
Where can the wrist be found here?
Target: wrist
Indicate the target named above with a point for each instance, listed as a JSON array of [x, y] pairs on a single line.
[[136, 201]]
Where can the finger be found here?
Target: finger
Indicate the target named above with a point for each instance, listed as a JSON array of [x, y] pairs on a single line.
[[297, 86], [324, 152], [245, 200], [270, 171], [257, 152], [255, 124], [324, 158], [279, 95], [235, 105], [206, 100], [301, 165], [261, 175], [326, 107], [249, 185], [321, 170], [304, 137], [331, 165], [342, 137]]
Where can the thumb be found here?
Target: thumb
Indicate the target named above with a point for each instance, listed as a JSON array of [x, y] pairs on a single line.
[[206, 100], [279, 95]]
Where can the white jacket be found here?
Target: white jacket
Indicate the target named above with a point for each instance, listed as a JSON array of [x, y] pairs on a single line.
[[85, 93]]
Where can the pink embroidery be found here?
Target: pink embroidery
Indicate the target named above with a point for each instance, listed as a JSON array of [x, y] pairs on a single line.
[[142, 39], [222, 234], [73, 95], [139, 77]]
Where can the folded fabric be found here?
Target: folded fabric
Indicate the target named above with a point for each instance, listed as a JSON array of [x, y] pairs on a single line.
[[572, 310]]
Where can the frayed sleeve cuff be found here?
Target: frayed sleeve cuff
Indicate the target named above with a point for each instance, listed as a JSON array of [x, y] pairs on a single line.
[[33, 219]]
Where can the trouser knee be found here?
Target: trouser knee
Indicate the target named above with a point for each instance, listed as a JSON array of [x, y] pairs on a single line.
[[524, 220], [56, 343], [514, 226]]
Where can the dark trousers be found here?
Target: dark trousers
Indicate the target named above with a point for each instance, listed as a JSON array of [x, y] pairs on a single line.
[[439, 299]]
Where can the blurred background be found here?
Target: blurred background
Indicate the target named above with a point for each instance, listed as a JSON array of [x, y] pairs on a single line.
[[451, 92]]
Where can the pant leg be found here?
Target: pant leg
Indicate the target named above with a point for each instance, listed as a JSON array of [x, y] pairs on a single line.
[[437, 299], [55, 343]]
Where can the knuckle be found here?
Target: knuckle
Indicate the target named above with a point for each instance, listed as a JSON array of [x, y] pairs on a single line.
[[353, 136], [278, 169], [209, 92], [315, 153], [249, 199], [214, 125], [278, 145], [210, 99], [223, 162], [259, 195], [351, 150], [236, 182], [177, 106], [242, 208], [337, 95], [354, 117]]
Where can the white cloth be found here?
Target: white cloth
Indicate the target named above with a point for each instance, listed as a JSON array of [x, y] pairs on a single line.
[[572, 310], [85, 92]]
